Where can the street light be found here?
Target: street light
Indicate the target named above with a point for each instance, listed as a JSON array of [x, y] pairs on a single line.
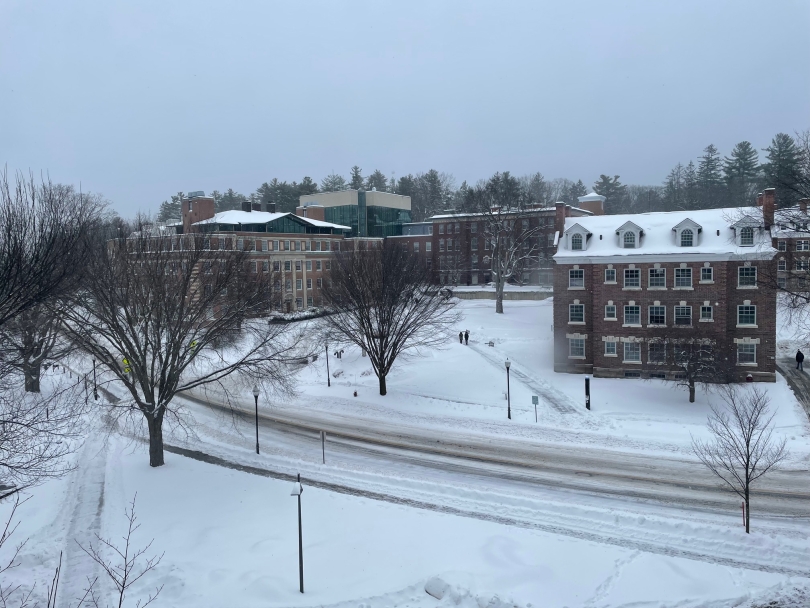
[[508, 394], [95, 386], [328, 380], [296, 491], [256, 400]]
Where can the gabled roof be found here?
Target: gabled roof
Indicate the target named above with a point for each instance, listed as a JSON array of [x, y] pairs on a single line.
[[747, 220], [629, 226], [580, 229], [687, 223], [235, 217]]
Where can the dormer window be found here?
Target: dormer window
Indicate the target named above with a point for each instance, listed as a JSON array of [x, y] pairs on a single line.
[[577, 237], [629, 240], [747, 237], [687, 238], [576, 242]]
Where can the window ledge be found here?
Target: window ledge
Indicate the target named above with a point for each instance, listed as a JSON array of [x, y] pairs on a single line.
[[747, 364], [576, 288], [577, 357], [611, 283], [631, 325], [690, 288], [611, 355], [631, 288], [705, 282], [656, 289], [683, 326], [748, 326], [576, 322], [610, 319], [706, 320], [656, 325], [632, 362], [656, 362], [747, 287]]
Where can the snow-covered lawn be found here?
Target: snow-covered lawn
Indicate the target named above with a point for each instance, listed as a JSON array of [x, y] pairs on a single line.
[[230, 539], [464, 386]]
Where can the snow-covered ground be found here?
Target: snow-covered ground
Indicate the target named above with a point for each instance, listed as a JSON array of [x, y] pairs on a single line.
[[230, 538]]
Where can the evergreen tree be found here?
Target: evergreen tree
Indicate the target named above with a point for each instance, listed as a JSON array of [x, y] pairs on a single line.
[[574, 191], [333, 182], [171, 211], [783, 171], [307, 186], [535, 188], [673, 196], [406, 186], [690, 187], [356, 182], [709, 179], [741, 173], [230, 200], [377, 180], [615, 193]]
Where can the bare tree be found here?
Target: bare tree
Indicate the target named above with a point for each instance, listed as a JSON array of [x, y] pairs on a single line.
[[14, 592], [512, 235], [43, 231], [32, 338], [161, 313], [743, 448], [384, 303], [127, 566], [38, 432]]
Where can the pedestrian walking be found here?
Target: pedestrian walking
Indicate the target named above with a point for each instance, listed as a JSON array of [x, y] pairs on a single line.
[[466, 336], [799, 360], [461, 337]]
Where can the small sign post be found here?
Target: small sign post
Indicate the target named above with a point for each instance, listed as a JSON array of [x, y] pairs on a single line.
[[587, 392], [535, 401]]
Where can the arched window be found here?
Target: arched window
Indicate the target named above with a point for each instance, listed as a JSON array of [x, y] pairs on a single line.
[[747, 236], [629, 240], [576, 242], [686, 238]]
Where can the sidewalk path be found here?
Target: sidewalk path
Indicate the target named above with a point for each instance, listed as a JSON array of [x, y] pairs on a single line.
[[799, 381]]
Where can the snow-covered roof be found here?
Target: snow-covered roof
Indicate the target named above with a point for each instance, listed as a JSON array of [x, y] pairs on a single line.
[[593, 196], [718, 239], [577, 227], [262, 217]]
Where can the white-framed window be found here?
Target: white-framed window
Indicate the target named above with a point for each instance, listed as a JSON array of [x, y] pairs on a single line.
[[658, 315], [782, 245], [746, 353], [253, 267], [576, 277], [706, 313], [416, 247], [309, 265], [747, 276], [474, 244], [299, 284], [449, 244], [629, 240], [309, 301], [610, 311], [288, 285], [610, 349], [319, 283], [265, 265], [801, 264], [657, 278], [576, 242], [610, 275], [683, 315], [458, 228], [747, 237], [632, 352], [781, 282], [276, 266], [474, 227], [781, 265], [707, 274], [328, 264], [632, 315], [309, 283], [441, 244], [264, 245], [632, 277], [746, 314], [687, 237], [240, 244], [802, 245], [576, 313], [576, 348], [298, 264], [299, 303], [428, 246], [287, 265], [683, 277], [657, 352], [441, 228]]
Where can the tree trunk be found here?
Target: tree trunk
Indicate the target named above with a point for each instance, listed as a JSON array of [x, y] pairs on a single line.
[[691, 392], [383, 390], [155, 440], [747, 513], [32, 372], [499, 297]]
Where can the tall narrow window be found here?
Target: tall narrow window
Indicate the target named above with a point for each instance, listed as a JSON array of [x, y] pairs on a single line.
[[683, 277], [747, 236], [632, 277], [658, 278], [576, 278], [576, 313], [686, 238], [632, 352], [747, 276], [576, 348], [629, 240], [576, 242], [746, 315]]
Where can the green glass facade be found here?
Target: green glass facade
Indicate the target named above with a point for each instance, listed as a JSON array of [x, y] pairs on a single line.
[[368, 221]]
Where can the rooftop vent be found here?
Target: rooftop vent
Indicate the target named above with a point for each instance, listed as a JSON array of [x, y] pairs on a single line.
[[196, 194]]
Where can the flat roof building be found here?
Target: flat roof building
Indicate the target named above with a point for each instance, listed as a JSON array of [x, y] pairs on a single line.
[[368, 213]]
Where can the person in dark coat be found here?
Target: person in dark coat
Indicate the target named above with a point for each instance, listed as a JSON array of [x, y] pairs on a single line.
[[799, 360], [461, 337], [466, 336]]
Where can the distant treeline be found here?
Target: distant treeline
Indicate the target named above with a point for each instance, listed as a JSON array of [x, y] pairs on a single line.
[[710, 181]]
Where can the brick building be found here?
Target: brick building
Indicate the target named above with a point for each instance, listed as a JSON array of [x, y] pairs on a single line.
[[629, 288]]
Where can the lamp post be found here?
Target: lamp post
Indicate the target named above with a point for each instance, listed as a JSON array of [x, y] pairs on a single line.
[[95, 386], [297, 491], [328, 380], [256, 401], [508, 394]]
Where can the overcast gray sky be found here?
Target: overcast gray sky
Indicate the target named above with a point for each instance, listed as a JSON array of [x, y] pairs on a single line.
[[140, 100]]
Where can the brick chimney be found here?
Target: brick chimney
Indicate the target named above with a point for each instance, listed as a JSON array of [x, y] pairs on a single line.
[[270, 207], [246, 206], [195, 210], [560, 213], [256, 206], [768, 206]]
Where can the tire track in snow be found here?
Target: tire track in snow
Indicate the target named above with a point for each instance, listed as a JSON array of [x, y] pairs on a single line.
[[663, 547]]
